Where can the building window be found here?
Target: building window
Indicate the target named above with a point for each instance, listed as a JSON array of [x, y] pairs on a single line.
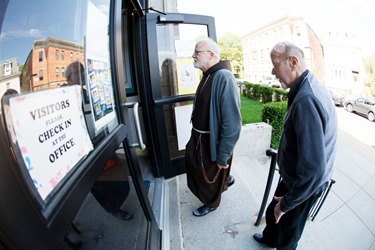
[[7, 69], [41, 74], [254, 55], [63, 71], [57, 71], [57, 54], [78, 56], [62, 55], [71, 56], [355, 76], [298, 31], [40, 56]]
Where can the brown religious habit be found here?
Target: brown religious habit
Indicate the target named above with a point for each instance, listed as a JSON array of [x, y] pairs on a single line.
[[204, 178]]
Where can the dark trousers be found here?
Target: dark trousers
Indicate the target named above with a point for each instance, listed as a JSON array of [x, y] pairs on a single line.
[[286, 234], [111, 194]]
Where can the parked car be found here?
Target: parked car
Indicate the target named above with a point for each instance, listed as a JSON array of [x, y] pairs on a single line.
[[337, 98], [362, 106], [270, 81]]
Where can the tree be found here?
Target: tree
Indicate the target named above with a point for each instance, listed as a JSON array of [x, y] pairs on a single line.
[[231, 49], [370, 73]]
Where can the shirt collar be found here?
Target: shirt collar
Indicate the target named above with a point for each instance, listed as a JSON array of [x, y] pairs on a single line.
[[294, 89]]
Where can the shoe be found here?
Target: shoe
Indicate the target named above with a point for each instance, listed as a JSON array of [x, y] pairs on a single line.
[[74, 244], [203, 210], [122, 215], [230, 183], [259, 238], [232, 180]]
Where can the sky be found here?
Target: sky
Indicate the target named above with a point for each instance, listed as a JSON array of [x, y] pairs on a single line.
[[241, 17]]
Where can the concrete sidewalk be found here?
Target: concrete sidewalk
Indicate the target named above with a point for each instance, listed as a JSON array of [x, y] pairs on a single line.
[[346, 220]]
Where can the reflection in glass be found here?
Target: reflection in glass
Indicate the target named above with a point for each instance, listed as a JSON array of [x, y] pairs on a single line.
[[46, 46], [113, 190], [176, 43], [50, 44]]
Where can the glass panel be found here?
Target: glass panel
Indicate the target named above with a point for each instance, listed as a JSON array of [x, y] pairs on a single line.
[[176, 43], [32, 38], [35, 38], [177, 131], [45, 46], [113, 190]]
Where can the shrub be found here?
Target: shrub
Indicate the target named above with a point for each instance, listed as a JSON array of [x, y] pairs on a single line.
[[274, 107], [273, 113], [264, 94], [280, 95]]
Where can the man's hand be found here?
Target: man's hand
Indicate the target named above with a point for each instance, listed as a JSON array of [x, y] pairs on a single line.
[[222, 167], [277, 211]]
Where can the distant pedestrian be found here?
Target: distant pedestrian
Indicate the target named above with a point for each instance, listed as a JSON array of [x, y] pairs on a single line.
[[216, 122], [306, 151]]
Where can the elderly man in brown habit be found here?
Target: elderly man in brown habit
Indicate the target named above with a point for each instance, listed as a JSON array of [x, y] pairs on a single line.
[[216, 122]]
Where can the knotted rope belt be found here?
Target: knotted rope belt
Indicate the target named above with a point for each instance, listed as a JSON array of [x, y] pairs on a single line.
[[199, 145]]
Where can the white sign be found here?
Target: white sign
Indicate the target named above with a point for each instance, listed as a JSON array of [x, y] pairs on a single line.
[[51, 133], [185, 48], [183, 125]]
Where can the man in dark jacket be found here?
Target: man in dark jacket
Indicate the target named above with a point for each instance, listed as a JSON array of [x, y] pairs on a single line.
[[306, 151], [216, 122]]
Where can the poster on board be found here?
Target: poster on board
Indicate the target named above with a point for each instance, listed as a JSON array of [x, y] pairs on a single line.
[[51, 133], [101, 92], [99, 80]]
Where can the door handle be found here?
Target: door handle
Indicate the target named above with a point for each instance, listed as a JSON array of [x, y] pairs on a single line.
[[140, 143]]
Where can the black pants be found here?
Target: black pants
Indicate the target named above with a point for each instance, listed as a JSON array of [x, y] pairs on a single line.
[[287, 233], [111, 194]]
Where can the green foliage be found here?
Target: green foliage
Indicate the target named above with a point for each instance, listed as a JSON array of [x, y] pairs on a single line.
[[280, 95], [273, 113], [264, 94], [265, 104], [251, 111], [231, 49], [370, 73]]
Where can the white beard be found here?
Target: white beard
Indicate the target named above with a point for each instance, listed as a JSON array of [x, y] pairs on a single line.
[[196, 64]]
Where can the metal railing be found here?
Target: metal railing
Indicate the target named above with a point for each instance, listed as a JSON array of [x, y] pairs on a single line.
[[316, 207]]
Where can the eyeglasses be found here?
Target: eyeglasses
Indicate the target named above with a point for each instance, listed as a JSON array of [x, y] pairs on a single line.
[[276, 65], [197, 52]]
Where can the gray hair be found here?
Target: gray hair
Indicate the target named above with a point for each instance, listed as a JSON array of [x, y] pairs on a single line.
[[290, 49], [212, 46]]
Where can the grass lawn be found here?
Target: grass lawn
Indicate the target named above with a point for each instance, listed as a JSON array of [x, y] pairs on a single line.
[[251, 111]]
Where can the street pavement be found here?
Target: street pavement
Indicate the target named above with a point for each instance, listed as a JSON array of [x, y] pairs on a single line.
[[345, 221]]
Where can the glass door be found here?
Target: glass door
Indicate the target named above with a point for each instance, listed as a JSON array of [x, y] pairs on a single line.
[[63, 177], [173, 82]]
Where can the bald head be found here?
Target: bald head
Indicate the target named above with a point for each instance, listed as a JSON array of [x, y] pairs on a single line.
[[288, 63], [74, 73], [286, 49]]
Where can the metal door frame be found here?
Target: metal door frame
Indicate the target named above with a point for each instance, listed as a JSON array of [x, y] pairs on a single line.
[[153, 110]]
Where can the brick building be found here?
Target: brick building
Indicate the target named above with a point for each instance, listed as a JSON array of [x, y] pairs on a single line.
[[46, 64]]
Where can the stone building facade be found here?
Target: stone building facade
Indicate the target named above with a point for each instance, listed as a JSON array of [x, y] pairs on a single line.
[[257, 46]]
